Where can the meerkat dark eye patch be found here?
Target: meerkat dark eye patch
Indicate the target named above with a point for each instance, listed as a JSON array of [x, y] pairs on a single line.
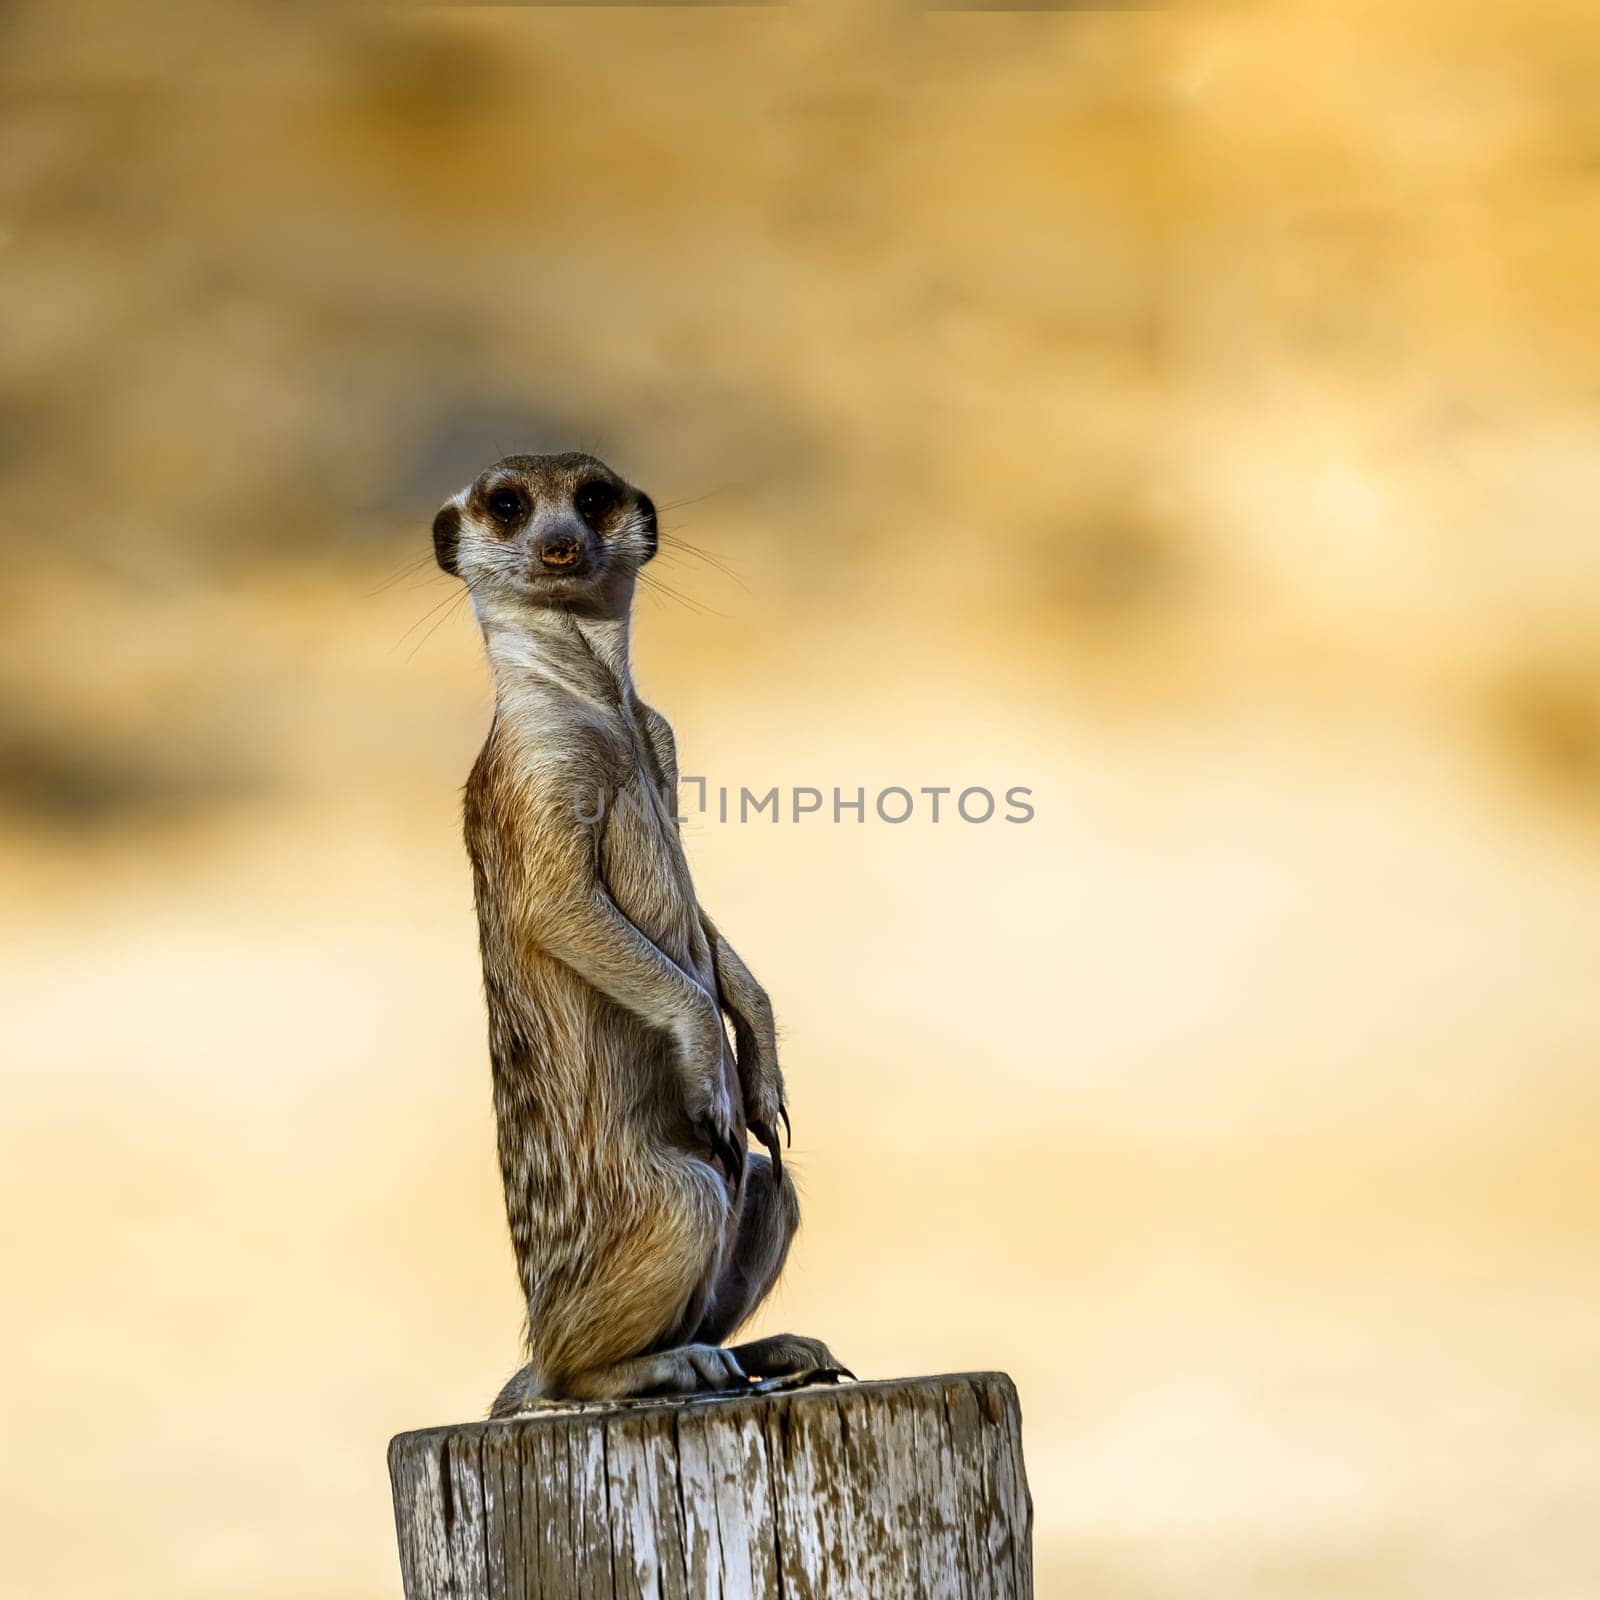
[[507, 504], [595, 501]]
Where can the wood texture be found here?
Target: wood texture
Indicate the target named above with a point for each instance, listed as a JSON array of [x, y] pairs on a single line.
[[912, 1489]]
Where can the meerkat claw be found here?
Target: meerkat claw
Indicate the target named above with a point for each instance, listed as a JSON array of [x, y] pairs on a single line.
[[724, 1152], [770, 1140], [801, 1380]]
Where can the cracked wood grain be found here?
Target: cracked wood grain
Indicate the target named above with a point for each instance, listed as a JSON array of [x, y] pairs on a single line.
[[903, 1490]]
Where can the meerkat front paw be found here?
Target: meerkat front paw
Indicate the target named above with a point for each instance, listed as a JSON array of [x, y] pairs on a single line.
[[764, 1125], [714, 1120], [762, 1084]]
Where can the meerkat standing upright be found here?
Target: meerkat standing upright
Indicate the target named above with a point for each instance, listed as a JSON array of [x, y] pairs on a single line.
[[644, 1233]]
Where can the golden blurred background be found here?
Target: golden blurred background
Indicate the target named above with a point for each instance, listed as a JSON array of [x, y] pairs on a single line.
[[1188, 414]]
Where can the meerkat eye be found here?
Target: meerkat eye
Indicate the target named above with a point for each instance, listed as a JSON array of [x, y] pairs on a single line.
[[594, 500], [506, 505]]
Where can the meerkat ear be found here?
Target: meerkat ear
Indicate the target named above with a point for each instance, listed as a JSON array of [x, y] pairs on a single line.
[[647, 526], [447, 538]]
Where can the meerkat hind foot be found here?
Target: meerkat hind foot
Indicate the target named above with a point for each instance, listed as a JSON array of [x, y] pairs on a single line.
[[788, 1360], [688, 1369]]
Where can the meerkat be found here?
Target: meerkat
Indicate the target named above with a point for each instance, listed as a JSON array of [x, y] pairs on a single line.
[[645, 1234]]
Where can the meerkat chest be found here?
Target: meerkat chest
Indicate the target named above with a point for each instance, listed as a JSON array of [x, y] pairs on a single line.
[[599, 773]]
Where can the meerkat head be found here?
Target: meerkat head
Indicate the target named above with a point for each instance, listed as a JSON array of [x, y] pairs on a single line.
[[561, 532]]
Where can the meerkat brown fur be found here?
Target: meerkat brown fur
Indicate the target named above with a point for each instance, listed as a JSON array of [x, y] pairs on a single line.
[[644, 1233]]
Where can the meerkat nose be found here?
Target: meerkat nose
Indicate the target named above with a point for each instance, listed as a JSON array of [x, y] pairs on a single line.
[[559, 552]]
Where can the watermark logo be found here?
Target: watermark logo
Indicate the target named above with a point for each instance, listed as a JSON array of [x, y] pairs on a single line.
[[808, 804]]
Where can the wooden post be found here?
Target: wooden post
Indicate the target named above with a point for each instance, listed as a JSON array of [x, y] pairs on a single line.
[[909, 1490]]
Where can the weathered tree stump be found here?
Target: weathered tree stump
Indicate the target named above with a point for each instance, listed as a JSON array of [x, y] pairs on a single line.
[[910, 1489]]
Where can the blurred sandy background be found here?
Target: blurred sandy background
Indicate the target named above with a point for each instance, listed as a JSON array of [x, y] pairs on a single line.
[[1191, 415]]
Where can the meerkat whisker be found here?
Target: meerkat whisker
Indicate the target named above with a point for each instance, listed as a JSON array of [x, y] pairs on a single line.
[[453, 612], [699, 607], [408, 570], [676, 544]]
